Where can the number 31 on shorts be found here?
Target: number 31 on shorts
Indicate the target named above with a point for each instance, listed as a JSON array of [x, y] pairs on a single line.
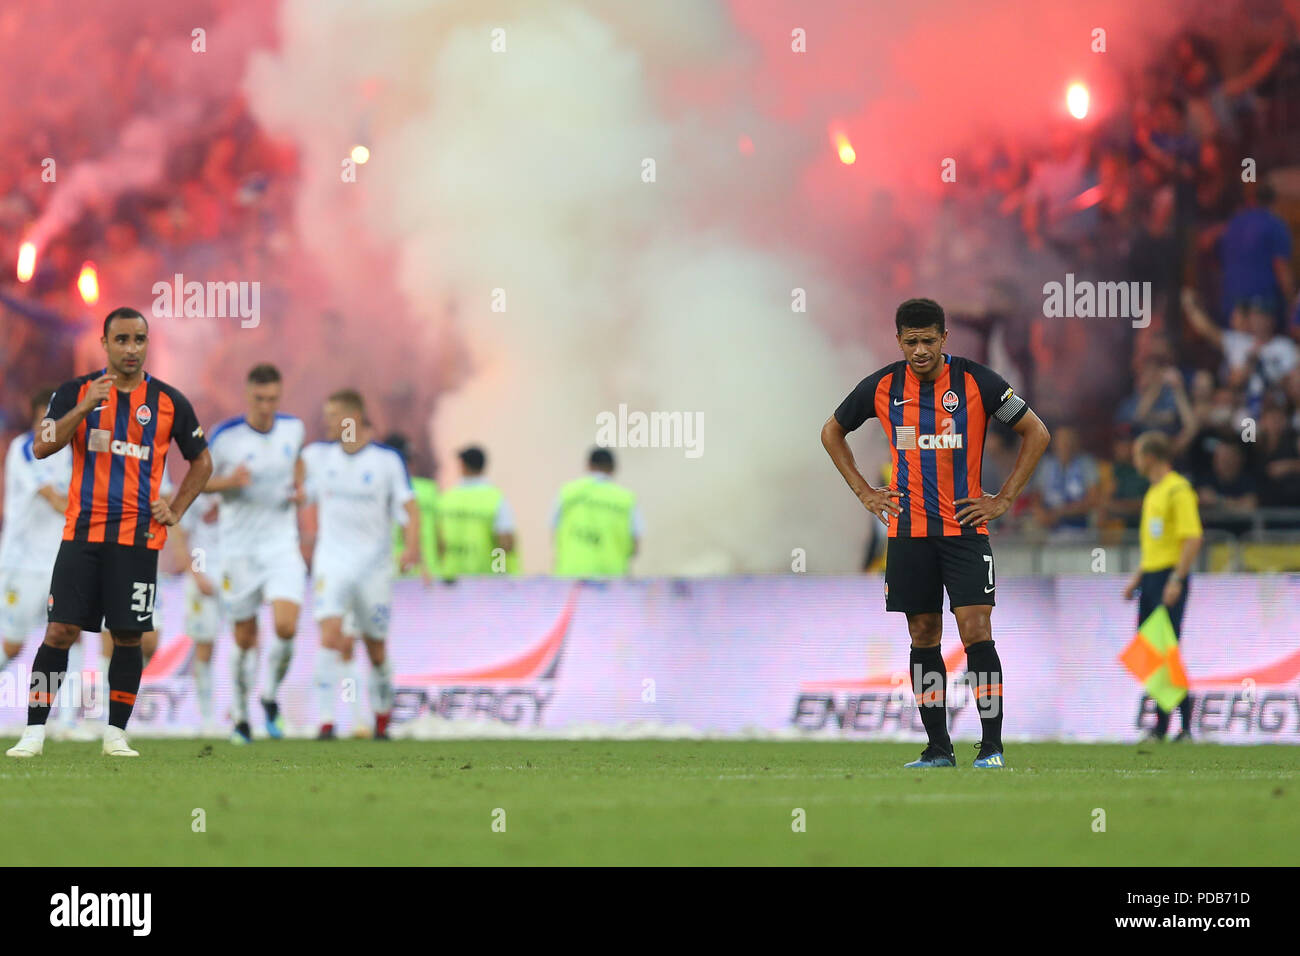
[[142, 597]]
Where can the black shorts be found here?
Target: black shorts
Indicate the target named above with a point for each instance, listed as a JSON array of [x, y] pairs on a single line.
[[1151, 594], [101, 584], [918, 569]]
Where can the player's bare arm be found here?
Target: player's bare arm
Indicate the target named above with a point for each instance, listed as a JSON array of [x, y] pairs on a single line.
[[880, 502], [239, 478], [44, 445], [299, 496], [200, 470], [411, 557], [1034, 439], [56, 500], [308, 524]]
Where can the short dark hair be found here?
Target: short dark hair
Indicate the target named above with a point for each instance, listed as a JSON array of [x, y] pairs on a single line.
[[473, 458], [124, 312], [41, 400], [349, 397], [264, 373], [602, 459], [919, 314]]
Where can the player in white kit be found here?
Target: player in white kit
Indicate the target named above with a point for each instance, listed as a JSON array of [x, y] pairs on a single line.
[[360, 489], [36, 497], [258, 471], [199, 539]]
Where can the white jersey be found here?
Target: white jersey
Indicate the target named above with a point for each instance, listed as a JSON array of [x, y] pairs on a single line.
[[259, 518], [32, 529], [360, 496]]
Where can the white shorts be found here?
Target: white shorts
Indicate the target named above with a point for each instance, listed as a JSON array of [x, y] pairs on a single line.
[[23, 598], [202, 613], [366, 594], [249, 581]]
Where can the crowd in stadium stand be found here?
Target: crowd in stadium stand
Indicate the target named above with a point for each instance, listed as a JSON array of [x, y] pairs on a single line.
[[221, 208], [1153, 192], [1156, 193]]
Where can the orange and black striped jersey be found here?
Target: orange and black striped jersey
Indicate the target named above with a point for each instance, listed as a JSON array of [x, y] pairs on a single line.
[[118, 453], [936, 437]]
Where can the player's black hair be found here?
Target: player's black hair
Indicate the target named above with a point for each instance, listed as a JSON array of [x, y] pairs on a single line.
[[125, 312], [41, 400], [473, 458], [919, 314], [264, 373], [601, 459]]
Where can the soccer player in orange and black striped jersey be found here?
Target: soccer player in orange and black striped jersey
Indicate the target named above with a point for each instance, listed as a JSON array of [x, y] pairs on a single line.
[[935, 409], [120, 422]]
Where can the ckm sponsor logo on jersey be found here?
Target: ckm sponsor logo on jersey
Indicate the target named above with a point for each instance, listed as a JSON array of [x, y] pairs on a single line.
[[80, 909], [1263, 701], [907, 439], [515, 691], [100, 439], [876, 703]]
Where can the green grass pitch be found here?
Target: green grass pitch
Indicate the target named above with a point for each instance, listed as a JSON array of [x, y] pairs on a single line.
[[426, 803]]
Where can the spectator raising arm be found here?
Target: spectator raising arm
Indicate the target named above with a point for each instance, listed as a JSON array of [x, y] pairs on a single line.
[[1201, 323]]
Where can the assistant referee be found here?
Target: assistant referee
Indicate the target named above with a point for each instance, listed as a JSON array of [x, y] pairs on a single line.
[[1170, 540]]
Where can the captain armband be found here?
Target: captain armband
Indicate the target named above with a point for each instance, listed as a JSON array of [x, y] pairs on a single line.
[[1012, 409]]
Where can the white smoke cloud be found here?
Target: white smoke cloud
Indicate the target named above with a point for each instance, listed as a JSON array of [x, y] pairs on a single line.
[[522, 171]]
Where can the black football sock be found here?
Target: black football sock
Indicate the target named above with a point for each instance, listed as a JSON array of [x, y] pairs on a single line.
[[124, 670], [272, 709], [48, 668], [1185, 709], [984, 671], [930, 687]]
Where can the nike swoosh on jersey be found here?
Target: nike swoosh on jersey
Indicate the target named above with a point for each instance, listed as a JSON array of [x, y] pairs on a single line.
[[903, 402]]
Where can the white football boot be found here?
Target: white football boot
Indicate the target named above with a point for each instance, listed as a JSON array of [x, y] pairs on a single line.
[[30, 744], [115, 744]]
